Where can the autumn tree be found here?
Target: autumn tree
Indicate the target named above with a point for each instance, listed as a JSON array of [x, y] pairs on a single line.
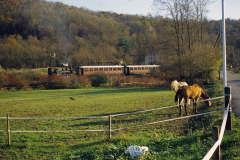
[[36, 33], [184, 25]]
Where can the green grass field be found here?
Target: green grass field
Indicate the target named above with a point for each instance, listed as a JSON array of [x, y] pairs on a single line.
[[181, 139]]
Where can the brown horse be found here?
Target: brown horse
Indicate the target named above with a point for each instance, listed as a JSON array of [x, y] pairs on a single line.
[[193, 92]]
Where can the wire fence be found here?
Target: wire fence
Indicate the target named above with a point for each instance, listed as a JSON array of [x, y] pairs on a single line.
[[218, 142], [99, 130], [226, 124], [100, 117], [209, 154], [96, 117]]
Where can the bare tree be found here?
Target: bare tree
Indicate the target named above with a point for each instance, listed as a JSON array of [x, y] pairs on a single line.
[[185, 19]]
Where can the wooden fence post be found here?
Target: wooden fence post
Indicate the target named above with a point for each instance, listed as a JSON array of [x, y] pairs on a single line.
[[217, 153], [227, 100], [110, 121], [8, 130], [219, 75]]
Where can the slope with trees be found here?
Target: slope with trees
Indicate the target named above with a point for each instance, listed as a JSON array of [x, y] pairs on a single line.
[[36, 33]]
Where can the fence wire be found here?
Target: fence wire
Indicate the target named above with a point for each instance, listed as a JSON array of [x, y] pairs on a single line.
[[95, 117], [113, 115], [167, 120], [219, 141]]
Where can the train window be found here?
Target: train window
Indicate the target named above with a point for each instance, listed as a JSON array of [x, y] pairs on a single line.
[[119, 69], [139, 68], [90, 69], [135, 68], [100, 69], [85, 69], [105, 69], [131, 69], [110, 69], [95, 69], [142, 68], [114, 69], [146, 68]]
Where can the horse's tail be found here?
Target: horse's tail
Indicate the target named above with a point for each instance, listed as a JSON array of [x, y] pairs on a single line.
[[177, 94]]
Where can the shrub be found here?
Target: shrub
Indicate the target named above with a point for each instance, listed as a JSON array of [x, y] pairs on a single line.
[[13, 80], [98, 80], [57, 82], [38, 78], [3, 79], [79, 82]]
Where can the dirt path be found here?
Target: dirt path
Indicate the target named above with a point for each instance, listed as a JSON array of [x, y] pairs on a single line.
[[233, 80]]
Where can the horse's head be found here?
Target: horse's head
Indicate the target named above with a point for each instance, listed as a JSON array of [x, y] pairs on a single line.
[[208, 102], [205, 96]]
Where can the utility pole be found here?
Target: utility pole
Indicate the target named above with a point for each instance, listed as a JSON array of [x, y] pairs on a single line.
[[224, 46]]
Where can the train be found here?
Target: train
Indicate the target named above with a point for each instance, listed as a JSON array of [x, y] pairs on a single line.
[[116, 69], [107, 70]]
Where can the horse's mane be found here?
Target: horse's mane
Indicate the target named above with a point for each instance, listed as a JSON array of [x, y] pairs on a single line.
[[175, 85], [205, 93], [183, 83]]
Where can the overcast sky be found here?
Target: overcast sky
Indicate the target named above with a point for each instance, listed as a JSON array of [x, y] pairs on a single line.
[[143, 7]]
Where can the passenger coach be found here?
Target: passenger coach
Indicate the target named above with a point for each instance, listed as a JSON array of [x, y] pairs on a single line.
[[140, 69], [92, 70], [116, 70]]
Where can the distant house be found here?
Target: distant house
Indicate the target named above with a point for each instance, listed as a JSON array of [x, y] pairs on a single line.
[[152, 58]]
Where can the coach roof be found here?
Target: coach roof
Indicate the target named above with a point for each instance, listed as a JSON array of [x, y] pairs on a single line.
[[116, 66]]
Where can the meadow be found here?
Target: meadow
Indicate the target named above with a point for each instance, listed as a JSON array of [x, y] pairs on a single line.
[[181, 139]]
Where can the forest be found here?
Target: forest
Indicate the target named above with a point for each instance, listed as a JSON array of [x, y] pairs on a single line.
[[37, 34]]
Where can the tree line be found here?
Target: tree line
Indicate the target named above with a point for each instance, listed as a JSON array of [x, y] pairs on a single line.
[[36, 33]]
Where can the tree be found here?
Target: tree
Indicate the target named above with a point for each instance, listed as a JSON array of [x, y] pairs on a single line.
[[33, 52], [123, 47], [185, 22]]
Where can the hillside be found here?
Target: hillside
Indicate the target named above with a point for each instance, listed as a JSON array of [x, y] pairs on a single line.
[[36, 33], [74, 34]]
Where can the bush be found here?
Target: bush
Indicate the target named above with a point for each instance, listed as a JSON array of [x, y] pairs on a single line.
[[79, 82], [98, 80], [3, 79], [13, 80], [57, 82], [39, 79]]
